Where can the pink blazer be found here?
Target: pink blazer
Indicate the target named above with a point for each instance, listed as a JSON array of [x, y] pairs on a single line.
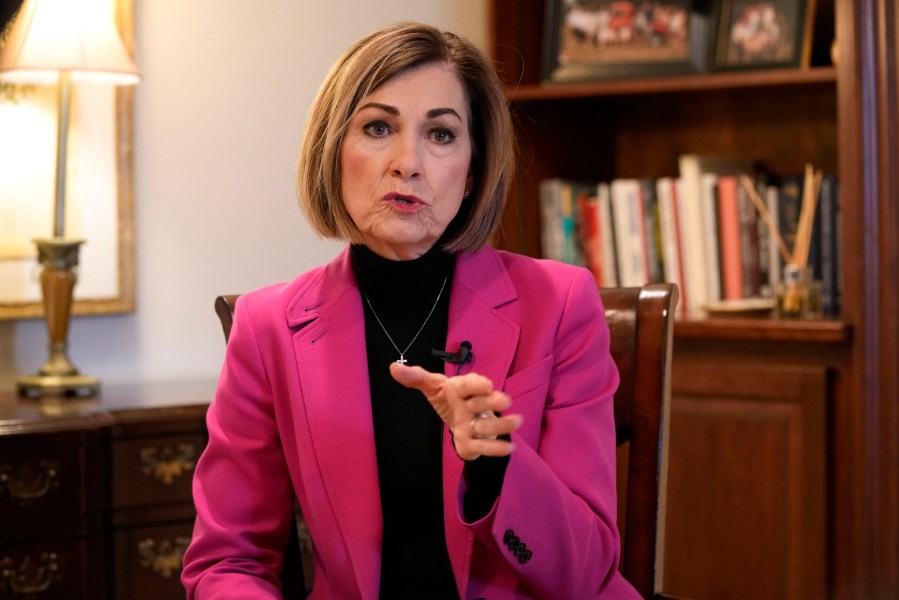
[[292, 417]]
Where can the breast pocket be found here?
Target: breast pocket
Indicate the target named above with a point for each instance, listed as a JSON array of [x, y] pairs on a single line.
[[528, 388]]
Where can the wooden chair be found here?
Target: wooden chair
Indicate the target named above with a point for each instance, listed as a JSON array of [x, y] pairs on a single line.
[[641, 321]]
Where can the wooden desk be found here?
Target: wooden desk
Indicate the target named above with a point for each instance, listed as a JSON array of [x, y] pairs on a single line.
[[95, 495]]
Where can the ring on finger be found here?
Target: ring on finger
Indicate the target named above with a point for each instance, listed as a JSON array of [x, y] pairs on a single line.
[[474, 421]]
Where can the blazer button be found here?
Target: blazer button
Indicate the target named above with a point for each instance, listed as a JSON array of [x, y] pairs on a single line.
[[520, 550], [507, 537], [514, 543], [525, 557]]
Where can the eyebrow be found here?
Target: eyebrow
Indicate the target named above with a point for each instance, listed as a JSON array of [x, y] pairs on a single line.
[[392, 110]]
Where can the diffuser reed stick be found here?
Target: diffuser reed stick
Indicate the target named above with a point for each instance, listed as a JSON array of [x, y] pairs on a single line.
[[766, 217], [810, 189]]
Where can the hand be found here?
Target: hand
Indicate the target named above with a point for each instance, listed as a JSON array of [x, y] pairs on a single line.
[[467, 404]]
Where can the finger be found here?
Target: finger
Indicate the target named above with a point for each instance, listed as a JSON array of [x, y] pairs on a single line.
[[471, 384], [417, 377], [492, 427], [493, 402]]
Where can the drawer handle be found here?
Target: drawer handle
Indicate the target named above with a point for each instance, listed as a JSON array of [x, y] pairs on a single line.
[[164, 557], [169, 463], [30, 577], [29, 484]]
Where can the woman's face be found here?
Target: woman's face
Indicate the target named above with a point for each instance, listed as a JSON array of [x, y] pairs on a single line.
[[405, 161]]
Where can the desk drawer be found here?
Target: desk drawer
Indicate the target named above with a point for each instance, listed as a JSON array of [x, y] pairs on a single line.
[[51, 569], [149, 560], [154, 470], [43, 481]]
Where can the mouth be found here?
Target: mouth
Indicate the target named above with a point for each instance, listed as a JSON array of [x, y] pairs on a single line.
[[403, 199]]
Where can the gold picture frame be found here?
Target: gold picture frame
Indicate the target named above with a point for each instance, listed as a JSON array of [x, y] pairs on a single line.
[[114, 268]]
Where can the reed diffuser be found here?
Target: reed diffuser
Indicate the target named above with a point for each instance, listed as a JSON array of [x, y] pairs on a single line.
[[797, 297]]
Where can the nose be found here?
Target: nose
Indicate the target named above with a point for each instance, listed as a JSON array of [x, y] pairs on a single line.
[[406, 160]]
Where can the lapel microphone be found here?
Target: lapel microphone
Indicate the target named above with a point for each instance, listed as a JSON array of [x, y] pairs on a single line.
[[462, 357]]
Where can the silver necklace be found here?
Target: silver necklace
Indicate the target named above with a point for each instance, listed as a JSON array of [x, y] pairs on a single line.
[[402, 353]]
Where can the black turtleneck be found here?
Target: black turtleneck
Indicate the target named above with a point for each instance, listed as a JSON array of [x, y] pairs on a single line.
[[415, 563]]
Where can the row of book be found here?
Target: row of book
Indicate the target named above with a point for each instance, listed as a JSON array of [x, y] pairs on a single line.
[[700, 230]]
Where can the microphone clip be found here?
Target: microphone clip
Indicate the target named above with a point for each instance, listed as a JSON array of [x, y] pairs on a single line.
[[462, 357]]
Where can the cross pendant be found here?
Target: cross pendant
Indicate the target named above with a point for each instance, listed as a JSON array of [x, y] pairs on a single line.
[[402, 360]]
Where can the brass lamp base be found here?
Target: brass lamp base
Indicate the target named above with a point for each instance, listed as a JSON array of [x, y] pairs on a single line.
[[58, 377], [38, 386]]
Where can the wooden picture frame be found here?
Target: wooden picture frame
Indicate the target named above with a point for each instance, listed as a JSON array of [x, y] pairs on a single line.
[[588, 40], [762, 34], [101, 196]]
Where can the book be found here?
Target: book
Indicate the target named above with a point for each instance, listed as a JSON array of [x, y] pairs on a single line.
[[666, 194], [691, 167], [588, 217], [608, 253], [776, 261], [828, 208], [571, 247], [729, 236], [749, 243], [552, 243], [560, 237], [653, 238], [764, 245], [712, 250], [629, 223]]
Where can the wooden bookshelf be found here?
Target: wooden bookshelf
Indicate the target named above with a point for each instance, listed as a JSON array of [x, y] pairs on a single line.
[[784, 467]]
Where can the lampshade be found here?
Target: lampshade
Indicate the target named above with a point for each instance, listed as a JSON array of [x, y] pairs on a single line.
[[79, 38]]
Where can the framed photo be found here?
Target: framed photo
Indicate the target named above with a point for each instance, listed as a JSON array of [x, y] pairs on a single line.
[[762, 34], [588, 40]]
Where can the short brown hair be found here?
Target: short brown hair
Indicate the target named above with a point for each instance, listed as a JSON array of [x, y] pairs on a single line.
[[368, 64]]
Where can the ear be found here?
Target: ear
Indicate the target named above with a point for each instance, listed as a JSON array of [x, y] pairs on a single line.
[[469, 181]]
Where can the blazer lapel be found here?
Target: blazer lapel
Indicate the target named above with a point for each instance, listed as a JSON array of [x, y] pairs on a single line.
[[332, 366], [480, 286]]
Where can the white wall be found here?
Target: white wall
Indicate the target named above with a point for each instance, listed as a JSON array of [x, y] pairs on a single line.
[[219, 112]]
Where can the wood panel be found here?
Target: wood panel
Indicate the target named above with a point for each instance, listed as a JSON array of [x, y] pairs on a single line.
[[747, 482]]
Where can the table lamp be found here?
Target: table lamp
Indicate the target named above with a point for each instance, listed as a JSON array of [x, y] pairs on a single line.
[[62, 42]]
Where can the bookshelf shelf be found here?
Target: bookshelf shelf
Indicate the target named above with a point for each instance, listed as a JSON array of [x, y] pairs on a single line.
[[770, 330], [681, 83]]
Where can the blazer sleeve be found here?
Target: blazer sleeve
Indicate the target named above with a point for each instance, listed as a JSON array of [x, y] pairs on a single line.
[[241, 486], [556, 512]]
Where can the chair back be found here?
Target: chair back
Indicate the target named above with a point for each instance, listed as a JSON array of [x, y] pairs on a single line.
[[224, 308], [641, 321]]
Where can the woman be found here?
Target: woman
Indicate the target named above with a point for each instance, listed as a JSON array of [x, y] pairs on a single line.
[[442, 411]]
